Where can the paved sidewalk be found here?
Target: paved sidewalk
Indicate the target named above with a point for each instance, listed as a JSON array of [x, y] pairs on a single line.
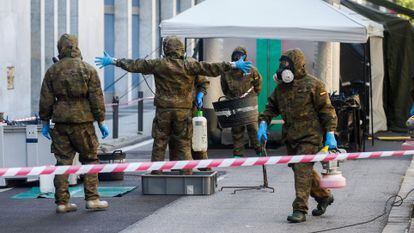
[[370, 183], [400, 217]]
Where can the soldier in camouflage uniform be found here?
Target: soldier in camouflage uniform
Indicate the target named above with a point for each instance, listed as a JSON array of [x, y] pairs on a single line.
[[306, 109], [234, 84], [72, 98], [174, 82]]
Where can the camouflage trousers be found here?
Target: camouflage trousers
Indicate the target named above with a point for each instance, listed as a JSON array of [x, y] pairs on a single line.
[[172, 125], [67, 139], [238, 138], [306, 178], [196, 155]]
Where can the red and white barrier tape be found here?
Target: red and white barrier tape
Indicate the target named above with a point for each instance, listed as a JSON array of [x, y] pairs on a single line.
[[191, 164], [130, 102]]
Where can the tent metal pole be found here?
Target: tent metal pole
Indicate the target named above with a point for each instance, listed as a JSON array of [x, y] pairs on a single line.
[[368, 64], [367, 72], [366, 96]]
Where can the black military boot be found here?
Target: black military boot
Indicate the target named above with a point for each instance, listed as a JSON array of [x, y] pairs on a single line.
[[297, 216], [322, 205]]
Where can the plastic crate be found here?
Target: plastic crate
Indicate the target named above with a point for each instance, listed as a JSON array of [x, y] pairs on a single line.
[[172, 183]]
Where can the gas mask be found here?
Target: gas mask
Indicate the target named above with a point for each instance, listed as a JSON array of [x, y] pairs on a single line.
[[285, 71]]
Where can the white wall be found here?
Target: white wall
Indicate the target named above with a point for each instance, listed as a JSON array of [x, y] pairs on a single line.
[[15, 51], [91, 31]]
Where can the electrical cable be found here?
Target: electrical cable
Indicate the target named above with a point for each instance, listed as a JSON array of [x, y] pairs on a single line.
[[113, 83], [149, 87], [131, 89], [398, 202]]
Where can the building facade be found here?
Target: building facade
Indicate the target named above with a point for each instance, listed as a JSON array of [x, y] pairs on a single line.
[[29, 31]]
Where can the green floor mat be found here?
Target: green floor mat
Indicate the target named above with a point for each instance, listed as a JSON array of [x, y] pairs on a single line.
[[76, 191]]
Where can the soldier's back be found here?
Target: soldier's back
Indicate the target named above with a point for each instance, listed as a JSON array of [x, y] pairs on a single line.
[[69, 79], [174, 85]]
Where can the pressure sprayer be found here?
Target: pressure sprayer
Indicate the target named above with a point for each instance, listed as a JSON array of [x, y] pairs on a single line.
[[199, 142], [331, 175]]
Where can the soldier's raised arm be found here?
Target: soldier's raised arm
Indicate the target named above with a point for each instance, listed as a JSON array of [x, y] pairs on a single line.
[[136, 66], [206, 68], [214, 69]]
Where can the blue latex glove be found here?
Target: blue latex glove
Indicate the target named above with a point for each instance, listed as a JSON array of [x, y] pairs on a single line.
[[330, 140], [412, 110], [45, 130], [104, 61], [104, 130], [242, 65], [262, 132], [199, 99]]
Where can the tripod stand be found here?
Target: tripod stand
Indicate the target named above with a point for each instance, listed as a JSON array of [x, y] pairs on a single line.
[[265, 184]]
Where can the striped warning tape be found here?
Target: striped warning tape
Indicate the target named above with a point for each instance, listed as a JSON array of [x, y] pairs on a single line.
[[191, 164]]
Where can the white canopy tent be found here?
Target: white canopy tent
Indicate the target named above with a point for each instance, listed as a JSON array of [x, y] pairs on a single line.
[[313, 20], [309, 20]]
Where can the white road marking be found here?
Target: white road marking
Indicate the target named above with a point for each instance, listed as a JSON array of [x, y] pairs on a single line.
[[6, 189]]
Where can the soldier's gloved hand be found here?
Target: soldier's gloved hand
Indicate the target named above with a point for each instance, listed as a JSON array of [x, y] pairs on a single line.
[[104, 61], [45, 130], [199, 99], [330, 140], [242, 65], [262, 132], [104, 130], [412, 110]]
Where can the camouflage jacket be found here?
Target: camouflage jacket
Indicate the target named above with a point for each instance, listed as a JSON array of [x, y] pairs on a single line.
[[234, 84], [174, 77], [71, 90], [305, 108]]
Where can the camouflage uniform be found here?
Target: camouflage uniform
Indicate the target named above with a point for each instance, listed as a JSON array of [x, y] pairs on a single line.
[[174, 82], [201, 85], [235, 84], [308, 113], [71, 96]]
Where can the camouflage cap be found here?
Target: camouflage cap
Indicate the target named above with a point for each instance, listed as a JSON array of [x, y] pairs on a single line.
[[298, 59], [68, 46], [237, 51], [240, 49], [173, 47]]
